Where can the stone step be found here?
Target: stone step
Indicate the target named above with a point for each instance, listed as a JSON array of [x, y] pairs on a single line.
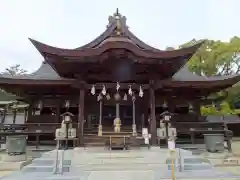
[[33, 168], [114, 161], [120, 167], [48, 162], [94, 144]]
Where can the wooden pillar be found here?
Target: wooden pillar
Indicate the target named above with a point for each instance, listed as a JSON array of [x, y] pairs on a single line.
[[81, 117], [153, 127], [58, 113], [30, 111], [196, 107]]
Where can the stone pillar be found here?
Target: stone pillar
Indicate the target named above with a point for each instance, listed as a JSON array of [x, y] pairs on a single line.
[[100, 118], [81, 117], [14, 115], [25, 115], [153, 128], [134, 128], [30, 111], [117, 121]]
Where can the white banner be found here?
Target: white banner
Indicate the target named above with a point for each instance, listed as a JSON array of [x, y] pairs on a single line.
[[171, 145]]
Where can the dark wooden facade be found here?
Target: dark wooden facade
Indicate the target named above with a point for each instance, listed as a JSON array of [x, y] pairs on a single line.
[[116, 56]]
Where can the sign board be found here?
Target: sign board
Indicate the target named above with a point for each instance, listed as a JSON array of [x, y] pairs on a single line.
[[171, 145], [146, 138], [161, 132], [144, 131]]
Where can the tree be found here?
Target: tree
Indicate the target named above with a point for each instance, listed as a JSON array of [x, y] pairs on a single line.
[[224, 109], [215, 57], [15, 70]]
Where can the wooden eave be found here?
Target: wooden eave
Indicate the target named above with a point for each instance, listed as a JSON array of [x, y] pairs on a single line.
[[81, 54], [210, 84], [40, 82]]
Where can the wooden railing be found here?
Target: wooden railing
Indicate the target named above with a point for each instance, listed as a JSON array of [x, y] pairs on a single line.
[[46, 119]]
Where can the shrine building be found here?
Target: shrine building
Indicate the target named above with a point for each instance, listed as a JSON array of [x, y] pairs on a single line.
[[115, 76]]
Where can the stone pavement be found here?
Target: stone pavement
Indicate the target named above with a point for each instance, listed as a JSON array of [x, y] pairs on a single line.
[[101, 164]]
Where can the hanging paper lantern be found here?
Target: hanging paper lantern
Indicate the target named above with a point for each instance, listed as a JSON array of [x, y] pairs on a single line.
[[125, 97], [213, 104], [93, 90], [67, 104], [165, 104], [108, 97], [99, 97], [40, 104], [104, 92], [118, 86], [190, 107], [130, 91], [140, 91], [117, 96]]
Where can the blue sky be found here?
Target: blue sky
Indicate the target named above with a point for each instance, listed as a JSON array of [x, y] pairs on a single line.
[[72, 23]]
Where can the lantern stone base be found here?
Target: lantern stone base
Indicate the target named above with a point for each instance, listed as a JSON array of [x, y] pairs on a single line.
[[3, 146], [99, 130], [14, 163], [134, 130], [16, 158]]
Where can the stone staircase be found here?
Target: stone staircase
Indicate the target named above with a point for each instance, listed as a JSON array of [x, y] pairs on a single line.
[[99, 164]]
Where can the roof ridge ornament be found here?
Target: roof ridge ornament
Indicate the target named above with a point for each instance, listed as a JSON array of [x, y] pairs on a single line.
[[117, 16], [119, 20]]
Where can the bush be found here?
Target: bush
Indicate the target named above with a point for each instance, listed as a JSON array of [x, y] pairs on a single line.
[[225, 109]]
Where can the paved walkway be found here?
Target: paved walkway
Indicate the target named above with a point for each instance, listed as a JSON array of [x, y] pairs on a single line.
[[100, 164]]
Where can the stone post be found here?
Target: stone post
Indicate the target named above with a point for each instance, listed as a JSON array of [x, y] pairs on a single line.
[[100, 118], [134, 128]]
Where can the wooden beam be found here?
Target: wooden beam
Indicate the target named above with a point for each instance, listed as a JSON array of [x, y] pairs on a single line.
[[113, 85]]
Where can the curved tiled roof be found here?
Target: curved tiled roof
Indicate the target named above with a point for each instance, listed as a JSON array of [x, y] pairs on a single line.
[[116, 36], [45, 72], [108, 45], [185, 75]]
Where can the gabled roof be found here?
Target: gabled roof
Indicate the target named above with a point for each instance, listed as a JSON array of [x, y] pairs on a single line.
[[185, 75], [115, 21], [44, 75], [45, 72], [116, 36]]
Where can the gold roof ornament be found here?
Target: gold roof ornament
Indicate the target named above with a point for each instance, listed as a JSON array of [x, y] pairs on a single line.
[[119, 20], [117, 17], [118, 28]]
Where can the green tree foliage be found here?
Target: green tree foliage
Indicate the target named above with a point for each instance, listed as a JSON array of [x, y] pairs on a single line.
[[15, 70], [224, 109], [217, 58]]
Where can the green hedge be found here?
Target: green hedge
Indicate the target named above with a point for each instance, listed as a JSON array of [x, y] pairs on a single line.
[[225, 109]]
